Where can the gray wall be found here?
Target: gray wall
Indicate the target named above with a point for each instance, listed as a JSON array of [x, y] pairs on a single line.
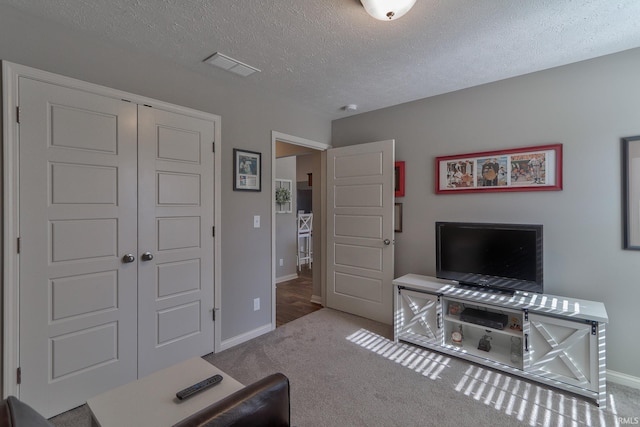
[[587, 107], [304, 166], [286, 223], [248, 117]]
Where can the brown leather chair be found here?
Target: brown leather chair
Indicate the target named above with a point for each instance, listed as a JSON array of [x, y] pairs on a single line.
[[263, 403], [14, 413]]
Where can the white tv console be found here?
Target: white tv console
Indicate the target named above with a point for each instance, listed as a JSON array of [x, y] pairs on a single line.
[[562, 340]]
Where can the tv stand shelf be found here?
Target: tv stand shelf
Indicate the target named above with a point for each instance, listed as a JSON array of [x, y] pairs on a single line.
[[554, 340], [497, 331]]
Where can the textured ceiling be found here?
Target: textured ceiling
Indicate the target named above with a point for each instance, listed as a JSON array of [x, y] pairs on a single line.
[[330, 53]]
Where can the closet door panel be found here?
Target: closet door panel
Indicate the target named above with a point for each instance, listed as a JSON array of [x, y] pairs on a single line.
[[175, 196], [78, 217]]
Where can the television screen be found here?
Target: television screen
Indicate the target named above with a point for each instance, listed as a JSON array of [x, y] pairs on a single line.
[[499, 256]]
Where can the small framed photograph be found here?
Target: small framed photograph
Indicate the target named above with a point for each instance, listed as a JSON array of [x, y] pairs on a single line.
[[631, 191], [397, 218], [247, 170], [398, 180]]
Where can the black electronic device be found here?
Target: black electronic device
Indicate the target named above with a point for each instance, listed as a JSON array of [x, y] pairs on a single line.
[[197, 387], [484, 318], [485, 343], [503, 257]]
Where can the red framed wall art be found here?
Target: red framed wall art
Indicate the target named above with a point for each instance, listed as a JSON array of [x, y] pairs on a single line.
[[399, 179], [521, 169]]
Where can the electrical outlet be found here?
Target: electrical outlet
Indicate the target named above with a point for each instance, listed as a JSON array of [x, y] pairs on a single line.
[[281, 262], [256, 221], [256, 304]]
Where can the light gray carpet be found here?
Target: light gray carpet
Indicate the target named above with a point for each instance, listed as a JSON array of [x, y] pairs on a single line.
[[346, 371]]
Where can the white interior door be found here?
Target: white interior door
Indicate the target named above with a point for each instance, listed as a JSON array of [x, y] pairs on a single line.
[[360, 202], [175, 226], [101, 178], [77, 219]]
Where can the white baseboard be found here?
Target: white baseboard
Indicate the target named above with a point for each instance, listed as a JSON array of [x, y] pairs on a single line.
[[286, 278], [624, 379], [316, 299], [232, 342]]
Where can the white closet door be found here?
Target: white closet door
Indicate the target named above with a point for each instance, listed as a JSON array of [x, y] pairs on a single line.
[[175, 224], [77, 219]]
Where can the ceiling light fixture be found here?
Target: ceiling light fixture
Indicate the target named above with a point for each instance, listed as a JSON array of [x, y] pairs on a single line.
[[387, 10]]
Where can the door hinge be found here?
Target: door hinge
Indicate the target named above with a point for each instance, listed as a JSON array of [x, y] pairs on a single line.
[[594, 328], [19, 375], [214, 146], [214, 314], [526, 315], [18, 245], [18, 114], [213, 231]]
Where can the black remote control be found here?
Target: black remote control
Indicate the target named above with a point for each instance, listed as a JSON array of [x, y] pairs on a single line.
[[197, 387]]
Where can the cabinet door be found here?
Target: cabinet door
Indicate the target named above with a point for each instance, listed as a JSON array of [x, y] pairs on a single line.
[[562, 350], [418, 317]]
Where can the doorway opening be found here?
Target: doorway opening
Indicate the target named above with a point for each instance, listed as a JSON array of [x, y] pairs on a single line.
[[296, 227]]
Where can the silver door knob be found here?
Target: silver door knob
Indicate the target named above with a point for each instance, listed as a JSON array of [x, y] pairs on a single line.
[[386, 242], [128, 258], [147, 256]]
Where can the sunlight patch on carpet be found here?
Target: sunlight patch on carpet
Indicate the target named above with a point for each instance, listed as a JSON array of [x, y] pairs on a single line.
[[530, 403], [425, 362]]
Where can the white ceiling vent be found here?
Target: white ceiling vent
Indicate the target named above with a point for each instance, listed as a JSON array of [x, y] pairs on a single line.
[[230, 64]]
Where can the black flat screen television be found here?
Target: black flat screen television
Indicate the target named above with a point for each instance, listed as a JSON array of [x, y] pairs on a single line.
[[504, 257]]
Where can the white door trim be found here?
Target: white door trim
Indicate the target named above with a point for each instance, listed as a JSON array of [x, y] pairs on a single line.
[[10, 304], [289, 139], [11, 314]]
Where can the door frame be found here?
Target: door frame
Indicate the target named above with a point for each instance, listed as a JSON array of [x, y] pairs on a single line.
[[10, 202], [294, 140]]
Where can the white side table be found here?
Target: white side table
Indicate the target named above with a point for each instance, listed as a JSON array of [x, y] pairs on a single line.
[[151, 400]]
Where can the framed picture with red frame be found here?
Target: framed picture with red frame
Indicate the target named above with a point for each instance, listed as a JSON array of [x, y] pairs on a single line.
[[398, 179], [521, 169]]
